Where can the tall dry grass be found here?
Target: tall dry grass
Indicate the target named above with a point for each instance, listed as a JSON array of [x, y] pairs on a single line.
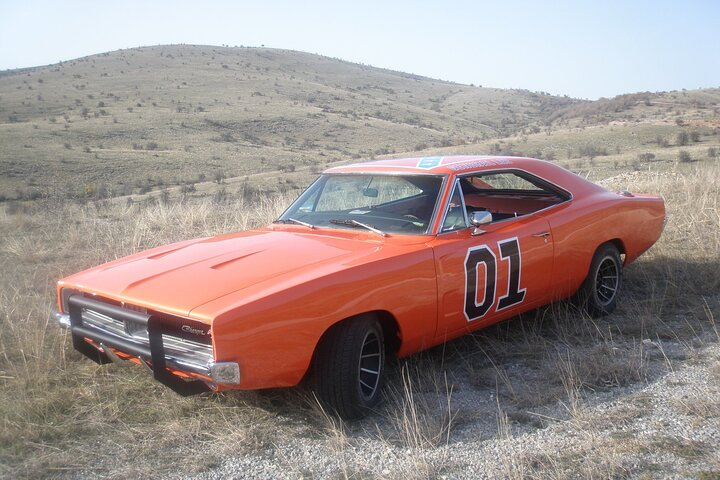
[[50, 396], [55, 404]]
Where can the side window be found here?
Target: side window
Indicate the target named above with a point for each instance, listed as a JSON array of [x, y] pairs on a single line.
[[502, 181], [508, 194], [455, 218]]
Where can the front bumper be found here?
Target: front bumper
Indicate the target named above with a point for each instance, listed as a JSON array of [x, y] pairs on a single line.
[[148, 338]]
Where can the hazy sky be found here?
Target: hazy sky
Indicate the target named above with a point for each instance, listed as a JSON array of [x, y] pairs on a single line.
[[583, 49]]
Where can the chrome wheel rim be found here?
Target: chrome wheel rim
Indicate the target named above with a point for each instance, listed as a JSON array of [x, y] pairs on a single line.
[[370, 365], [606, 281]]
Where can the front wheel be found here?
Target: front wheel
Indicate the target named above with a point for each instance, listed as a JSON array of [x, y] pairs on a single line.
[[350, 367], [599, 291]]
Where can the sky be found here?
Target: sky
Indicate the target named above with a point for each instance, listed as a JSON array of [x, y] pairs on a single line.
[[584, 49]]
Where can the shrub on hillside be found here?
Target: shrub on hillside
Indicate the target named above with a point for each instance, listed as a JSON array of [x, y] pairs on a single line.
[[661, 141], [592, 151], [682, 139]]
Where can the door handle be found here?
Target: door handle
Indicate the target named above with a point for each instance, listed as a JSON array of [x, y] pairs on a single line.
[[542, 234]]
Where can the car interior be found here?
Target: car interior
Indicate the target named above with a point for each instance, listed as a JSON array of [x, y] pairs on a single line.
[[505, 194]]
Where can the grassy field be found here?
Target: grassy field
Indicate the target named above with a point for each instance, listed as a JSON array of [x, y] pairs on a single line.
[[550, 395]]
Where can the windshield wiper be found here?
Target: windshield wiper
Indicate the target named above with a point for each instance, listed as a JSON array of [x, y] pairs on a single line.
[[358, 224], [292, 220]]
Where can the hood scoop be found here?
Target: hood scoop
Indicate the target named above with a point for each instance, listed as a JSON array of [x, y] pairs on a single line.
[[168, 271], [228, 263], [167, 252]]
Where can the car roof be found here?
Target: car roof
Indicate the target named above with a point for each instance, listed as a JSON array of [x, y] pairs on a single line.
[[462, 164], [443, 165]]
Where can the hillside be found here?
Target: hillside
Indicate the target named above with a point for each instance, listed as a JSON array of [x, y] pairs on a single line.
[[132, 120], [694, 107], [180, 135]]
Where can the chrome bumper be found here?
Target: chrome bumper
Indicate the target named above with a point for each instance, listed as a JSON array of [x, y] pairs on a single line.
[[146, 337]]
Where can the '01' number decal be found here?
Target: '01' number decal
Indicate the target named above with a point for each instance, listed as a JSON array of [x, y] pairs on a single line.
[[510, 252]]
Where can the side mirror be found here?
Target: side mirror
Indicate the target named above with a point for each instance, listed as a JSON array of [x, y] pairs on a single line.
[[479, 218], [482, 217]]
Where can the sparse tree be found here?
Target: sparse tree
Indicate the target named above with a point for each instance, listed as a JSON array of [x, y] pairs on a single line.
[[682, 139], [661, 141], [695, 136], [684, 156]]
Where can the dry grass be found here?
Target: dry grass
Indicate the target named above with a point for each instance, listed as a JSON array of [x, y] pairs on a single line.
[[50, 396], [62, 415], [420, 415], [549, 363]]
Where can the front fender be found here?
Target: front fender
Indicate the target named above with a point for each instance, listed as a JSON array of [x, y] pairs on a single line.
[[273, 338]]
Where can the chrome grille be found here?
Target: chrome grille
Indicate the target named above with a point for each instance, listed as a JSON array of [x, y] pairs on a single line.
[[183, 353]]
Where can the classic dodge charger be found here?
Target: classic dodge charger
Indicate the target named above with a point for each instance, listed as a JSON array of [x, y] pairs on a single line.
[[373, 260]]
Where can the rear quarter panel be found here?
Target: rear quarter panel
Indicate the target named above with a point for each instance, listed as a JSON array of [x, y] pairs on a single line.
[[581, 225]]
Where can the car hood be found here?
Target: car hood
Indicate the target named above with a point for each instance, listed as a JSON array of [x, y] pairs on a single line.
[[180, 277]]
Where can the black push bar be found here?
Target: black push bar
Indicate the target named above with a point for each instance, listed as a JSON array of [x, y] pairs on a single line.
[[155, 352]]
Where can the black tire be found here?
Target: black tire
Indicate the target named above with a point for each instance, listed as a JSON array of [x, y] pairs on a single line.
[[599, 292], [349, 367]]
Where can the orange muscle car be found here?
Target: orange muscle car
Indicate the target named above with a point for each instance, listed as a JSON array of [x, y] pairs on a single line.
[[374, 259]]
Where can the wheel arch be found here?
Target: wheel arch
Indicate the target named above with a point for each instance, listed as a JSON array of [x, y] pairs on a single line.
[[616, 242], [619, 244], [388, 322]]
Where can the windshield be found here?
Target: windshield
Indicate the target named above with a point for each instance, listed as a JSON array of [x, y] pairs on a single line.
[[401, 204]]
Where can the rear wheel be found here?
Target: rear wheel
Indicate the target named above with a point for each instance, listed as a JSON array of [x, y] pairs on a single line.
[[350, 367], [599, 291]]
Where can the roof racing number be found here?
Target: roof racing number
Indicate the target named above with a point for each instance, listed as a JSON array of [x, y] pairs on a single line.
[[475, 307]]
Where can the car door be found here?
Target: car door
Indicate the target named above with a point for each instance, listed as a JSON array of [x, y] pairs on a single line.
[[487, 275]]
